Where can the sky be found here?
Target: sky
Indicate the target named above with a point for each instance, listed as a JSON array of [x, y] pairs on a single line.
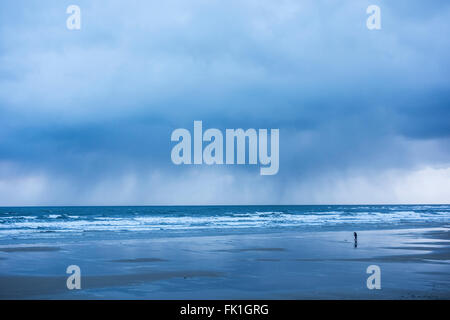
[[86, 115]]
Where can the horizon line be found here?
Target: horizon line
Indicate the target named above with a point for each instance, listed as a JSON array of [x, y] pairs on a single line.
[[229, 205]]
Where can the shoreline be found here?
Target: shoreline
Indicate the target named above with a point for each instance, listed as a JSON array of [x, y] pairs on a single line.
[[415, 263]]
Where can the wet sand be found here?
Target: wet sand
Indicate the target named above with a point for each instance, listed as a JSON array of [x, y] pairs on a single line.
[[139, 260], [29, 249], [24, 286], [414, 263]]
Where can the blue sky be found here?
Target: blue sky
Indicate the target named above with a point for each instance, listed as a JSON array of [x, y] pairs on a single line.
[[86, 115]]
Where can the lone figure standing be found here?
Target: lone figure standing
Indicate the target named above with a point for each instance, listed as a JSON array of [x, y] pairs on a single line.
[[356, 238]]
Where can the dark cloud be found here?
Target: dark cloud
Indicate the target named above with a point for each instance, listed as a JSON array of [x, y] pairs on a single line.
[[80, 109]]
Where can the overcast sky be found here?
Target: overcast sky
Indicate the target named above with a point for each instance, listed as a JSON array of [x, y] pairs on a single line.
[[86, 115]]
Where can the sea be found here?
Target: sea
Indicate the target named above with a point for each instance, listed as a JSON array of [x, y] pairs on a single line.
[[34, 223]]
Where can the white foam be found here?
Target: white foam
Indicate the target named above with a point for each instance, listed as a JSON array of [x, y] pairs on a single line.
[[16, 225]]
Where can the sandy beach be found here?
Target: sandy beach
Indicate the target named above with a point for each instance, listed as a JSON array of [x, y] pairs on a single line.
[[414, 264]]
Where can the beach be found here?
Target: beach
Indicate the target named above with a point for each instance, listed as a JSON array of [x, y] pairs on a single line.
[[414, 264]]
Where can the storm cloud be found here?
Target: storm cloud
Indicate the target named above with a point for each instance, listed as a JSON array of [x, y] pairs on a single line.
[[86, 115]]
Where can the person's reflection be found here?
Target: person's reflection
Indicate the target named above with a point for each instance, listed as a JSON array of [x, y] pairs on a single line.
[[355, 235]]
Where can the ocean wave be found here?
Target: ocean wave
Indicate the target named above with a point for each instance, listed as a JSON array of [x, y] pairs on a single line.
[[156, 219]]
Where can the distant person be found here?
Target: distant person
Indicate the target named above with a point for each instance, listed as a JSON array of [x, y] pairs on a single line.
[[355, 235]]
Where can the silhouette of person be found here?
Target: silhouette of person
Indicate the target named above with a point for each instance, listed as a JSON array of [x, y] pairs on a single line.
[[356, 238]]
